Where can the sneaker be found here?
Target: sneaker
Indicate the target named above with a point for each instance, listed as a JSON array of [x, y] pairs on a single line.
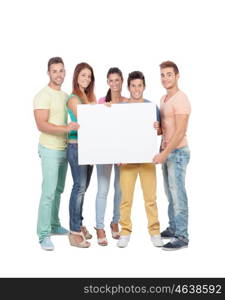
[[123, 241], [167, 233], [59, 231], [156, 240], [46, 244], [175, 244]]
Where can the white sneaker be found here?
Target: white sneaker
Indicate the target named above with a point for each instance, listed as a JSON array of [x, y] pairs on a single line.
[[157, 240], [46, 244], [123, 241]]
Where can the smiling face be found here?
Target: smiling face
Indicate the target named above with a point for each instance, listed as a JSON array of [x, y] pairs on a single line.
[[136, 89], [168, 78], [115, 82], [56, 74], [84, 78]]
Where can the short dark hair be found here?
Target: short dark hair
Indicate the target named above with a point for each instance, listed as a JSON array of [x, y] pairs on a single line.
[[135, 75], [169, 64], [55, 60]]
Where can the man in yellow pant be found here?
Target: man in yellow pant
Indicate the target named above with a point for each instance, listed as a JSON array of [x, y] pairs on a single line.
[[128, 177]]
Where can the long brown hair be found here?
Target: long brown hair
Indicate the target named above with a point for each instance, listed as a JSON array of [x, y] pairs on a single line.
[[89, 91], [117, 71]]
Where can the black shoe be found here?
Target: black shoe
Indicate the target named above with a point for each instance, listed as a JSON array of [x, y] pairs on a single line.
[[167, 233], [175, 244]]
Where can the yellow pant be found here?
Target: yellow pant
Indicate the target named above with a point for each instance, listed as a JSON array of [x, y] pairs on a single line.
[[128, 177]]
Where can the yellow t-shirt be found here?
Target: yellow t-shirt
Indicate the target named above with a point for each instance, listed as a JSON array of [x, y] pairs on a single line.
[[55, 101]]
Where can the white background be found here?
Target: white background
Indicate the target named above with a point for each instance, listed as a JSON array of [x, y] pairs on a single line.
[[132, 35]]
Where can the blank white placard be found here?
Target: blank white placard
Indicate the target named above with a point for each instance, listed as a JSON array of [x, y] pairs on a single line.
[[122, 133]]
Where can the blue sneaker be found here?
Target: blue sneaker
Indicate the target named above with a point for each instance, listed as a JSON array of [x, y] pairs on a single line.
[[59, 231], [167, 233], [46, 244], [175, 244]]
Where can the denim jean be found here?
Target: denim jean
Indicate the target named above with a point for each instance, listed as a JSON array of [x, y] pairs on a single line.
[[54, 168], [81, 178], [174, 171], [103, 176]]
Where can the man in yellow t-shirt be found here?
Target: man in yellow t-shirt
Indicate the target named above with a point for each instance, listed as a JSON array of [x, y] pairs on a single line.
[[51, 119]]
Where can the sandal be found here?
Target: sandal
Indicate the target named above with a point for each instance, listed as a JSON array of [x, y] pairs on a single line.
[[86, 233], [82, 244], [102, 241], [115, 234]]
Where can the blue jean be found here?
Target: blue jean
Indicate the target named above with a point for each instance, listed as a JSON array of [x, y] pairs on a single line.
[[103, 176], [81, 178], [54, 168], [174, 171]]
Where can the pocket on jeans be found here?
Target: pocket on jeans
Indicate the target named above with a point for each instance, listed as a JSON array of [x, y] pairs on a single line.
[[183, 158], [170, 156], [175, 157]]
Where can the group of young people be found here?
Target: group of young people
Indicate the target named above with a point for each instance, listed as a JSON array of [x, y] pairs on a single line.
[[58, 146]]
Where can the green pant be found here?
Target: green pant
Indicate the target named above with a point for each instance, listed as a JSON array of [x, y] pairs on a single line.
[[54, 168]]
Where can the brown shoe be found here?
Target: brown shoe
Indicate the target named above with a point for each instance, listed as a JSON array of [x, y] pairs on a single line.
[[101, 237], [73, 242], [86, 233]]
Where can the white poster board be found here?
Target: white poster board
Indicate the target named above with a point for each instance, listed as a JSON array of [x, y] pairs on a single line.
[[122, 133]]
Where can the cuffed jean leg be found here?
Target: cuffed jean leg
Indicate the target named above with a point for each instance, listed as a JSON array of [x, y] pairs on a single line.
[[176, 163], [117, 195], [103, 177], [81, 177], [87, 173], [172, 225]]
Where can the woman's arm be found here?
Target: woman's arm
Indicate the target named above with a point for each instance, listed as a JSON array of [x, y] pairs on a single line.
[[72, 104]]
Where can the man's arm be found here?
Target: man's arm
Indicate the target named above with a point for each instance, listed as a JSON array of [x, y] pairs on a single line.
[[41, 117], [157, 127], [181, 122]]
